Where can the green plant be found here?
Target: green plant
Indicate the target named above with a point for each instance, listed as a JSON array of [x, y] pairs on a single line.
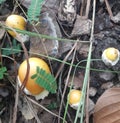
[[1, 1], [45, 80], [34, 10], [2, 72], [15, 48]]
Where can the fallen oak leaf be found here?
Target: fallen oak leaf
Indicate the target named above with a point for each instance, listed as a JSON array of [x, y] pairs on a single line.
[[107, 108]]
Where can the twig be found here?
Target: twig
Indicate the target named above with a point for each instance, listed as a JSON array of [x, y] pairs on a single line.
[[109, 8], [26, 77], [67, 82], [60, 91], [65, 59], [45, 49], [87, 8], [82, 7], [16, 103]]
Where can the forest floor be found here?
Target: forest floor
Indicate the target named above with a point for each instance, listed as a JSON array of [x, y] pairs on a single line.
[[67, 58]]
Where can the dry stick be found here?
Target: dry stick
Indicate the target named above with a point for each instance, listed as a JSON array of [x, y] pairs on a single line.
[[18, 38], [109, 8], [60, 90], [87, 8], [18, 4], [67, 81], [65, 59], [43, 45], [81, 10], [16, 103], [28, 68], [36, 103]]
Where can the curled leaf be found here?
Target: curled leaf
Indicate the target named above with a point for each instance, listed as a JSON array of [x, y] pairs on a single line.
[[107, 108]]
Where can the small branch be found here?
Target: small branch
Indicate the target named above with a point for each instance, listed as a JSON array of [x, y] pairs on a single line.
[[87, 8], [67, 82], [109, 8], [65, 59], [16, 103]]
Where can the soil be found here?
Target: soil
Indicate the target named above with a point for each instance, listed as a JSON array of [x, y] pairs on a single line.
[[106, 34]]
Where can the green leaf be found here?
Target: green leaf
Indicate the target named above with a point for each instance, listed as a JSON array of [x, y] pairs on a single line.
[[34, 10], [34, 76], [52, 106], [45, 80], [12, 50], [1, 1], [2, 72]]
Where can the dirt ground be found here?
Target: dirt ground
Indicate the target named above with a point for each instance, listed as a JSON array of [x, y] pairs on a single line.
[[106, 34]]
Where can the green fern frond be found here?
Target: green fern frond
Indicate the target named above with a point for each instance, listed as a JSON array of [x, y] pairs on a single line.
[[34, 10], [45, 80]]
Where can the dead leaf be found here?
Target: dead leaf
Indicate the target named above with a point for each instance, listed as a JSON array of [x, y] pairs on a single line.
[[25, 109], [107, 108], [77, 81], [2, 31], [81, 26]]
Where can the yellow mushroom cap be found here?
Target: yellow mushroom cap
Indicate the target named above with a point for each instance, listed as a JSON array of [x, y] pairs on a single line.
[[111, 53], [31, 85], [74, 97], [110, 56], [15, 21]]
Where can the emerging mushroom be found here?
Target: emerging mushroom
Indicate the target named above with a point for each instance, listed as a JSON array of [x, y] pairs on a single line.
[[31, 87], [110, 56], [74, 98], [16, 22]]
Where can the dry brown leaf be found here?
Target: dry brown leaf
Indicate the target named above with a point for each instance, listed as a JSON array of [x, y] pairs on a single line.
[[77, 81], [2, 31], [81, 26], [107, 108]]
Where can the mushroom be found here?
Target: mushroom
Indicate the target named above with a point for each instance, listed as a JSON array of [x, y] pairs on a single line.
[[17, 22], [31, 87], [74, 98], [110, 56]]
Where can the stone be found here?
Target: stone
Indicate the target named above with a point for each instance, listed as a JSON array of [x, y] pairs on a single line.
[[92, 91], [106, 75], [91, 106], [81, 26], [107, 85]]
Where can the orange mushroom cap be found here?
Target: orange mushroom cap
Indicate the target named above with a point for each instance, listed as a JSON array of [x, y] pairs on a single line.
[[15, 21], [31, 85], [74, 97]]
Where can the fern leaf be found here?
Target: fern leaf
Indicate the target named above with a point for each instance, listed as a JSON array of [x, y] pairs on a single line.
[[34, 10], [45, 80]]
